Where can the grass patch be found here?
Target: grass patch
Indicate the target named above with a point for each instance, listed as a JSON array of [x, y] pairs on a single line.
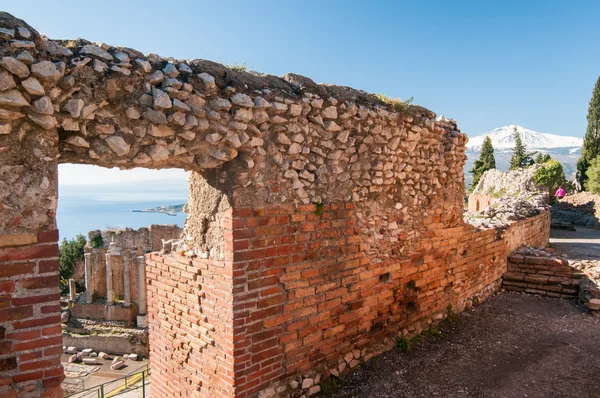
[[397, 104], [450, 314], [405, 344], [436, 332], [237, 67], [330, 384], [319, 208]]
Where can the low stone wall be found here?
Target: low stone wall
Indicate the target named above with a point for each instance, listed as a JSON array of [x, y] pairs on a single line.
[[100, 310], [541, 273], [115, 344], [300, 296]]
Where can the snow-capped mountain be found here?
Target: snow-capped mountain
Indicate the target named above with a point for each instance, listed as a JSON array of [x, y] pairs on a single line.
[[565, 149], [503, 140]]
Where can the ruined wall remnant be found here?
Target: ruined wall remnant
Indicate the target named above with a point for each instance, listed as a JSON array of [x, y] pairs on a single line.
[[321, 219]]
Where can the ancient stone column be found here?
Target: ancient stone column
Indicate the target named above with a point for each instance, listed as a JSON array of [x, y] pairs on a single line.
[[72, 290], [126, 282], [110, 294], [97, 255], [88, 278], [142, 319]]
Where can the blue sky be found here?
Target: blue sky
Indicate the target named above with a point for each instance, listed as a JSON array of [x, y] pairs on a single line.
[[484, 63]]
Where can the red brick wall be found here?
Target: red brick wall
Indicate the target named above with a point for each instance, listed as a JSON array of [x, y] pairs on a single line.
[[479, 201], [547, 276], [30, 331], [303, 293], [190, 314]]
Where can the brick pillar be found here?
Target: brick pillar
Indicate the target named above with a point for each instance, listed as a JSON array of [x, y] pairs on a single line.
[[89, 293], [126, 280], [30, 331], [110, 294]]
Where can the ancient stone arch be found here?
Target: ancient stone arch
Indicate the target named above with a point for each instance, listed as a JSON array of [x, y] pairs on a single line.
[[302, 196]]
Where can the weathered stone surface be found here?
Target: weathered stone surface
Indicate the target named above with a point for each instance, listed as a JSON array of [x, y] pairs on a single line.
[[6, 81], [46, 71], [12, 98], [160, 131], [43, 106], [78, 141], [15, 67], [118, 145], [33, 86], [96, 51], [44, 121]]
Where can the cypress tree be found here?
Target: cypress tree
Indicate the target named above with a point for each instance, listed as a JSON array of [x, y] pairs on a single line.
[[486, 162], [591, 141], [520, 157]]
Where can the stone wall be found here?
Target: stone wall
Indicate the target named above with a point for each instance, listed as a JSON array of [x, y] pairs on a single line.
[[142, 239], [320, 217], [305, 294]]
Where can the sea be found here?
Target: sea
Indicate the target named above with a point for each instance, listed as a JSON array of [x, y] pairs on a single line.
[[83, 208]]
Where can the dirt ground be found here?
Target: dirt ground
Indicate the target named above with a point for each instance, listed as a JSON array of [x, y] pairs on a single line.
[[512, 345]]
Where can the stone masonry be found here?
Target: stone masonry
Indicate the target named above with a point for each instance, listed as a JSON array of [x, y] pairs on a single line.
[[321, 218]]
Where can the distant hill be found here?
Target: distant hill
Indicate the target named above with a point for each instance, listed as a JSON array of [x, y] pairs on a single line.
[[565, 149]]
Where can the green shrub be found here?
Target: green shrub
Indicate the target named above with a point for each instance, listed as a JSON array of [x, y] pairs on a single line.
[[593, 176], [70, 252]]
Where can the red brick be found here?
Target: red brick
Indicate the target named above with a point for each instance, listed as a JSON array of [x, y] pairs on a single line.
[[23, 377], [7, 286], [49, 266], [37, 322], [8, 270], [31, 345], [29, 252], [14, 313], [48, 236], [45, 298], [40, 282]]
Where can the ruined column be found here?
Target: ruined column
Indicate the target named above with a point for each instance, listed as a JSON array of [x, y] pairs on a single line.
[[142, 319], [72, 290], [110, 294], [96, 255], [88, 278], [126, 283]]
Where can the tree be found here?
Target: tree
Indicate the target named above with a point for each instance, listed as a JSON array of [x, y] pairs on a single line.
[[70, 252], [551, 175], [542, 158], [592, 183], [591, 141], [520, 157], [486, 162]]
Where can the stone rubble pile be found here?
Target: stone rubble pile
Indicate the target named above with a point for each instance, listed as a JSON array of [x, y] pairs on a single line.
[[511, 182], [507, 209]]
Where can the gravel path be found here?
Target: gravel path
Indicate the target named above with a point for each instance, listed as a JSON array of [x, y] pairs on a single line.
[[513, 345]]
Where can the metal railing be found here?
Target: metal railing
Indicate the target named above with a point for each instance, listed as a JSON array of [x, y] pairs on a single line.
[[133, 381]]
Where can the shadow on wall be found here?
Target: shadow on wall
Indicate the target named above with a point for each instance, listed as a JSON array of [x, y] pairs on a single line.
[[580, 209]]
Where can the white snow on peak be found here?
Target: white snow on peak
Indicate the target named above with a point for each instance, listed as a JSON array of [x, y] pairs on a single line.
[[503, 139]]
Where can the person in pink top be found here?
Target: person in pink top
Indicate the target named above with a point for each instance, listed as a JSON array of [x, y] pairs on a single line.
[[560, 193]]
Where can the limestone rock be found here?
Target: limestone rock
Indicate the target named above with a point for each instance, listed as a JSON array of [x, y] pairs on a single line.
[[118, 145], [222, 152], [12, 98], [143, 64], [156, 130], [15, 67], [77, 141], [46, 71], [242, 100], [208, 80], [33, 86], [96, 51], [44, 121], [43, 106], [160, 99], [6, 81]]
